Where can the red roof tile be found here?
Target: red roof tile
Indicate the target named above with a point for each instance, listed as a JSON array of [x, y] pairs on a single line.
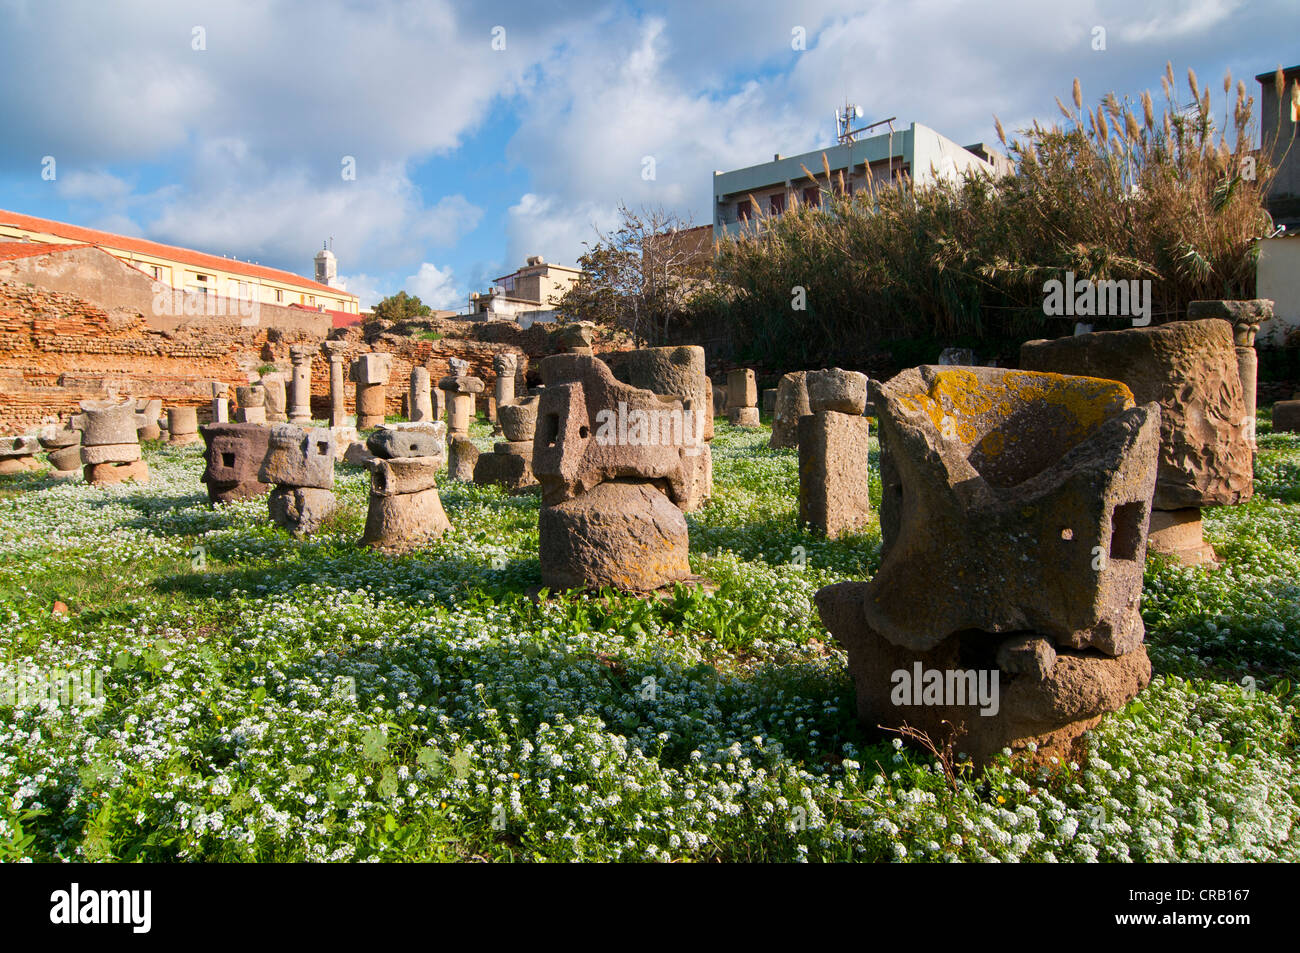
[[10, 251], [91, 236]]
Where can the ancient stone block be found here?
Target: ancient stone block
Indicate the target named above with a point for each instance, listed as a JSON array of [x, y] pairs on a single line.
[[747, 417], [108, 422], [251, 401], [620, 534], [1014, 517], [791, 404], [508, 465], [233, 454], [372, 368], [358, 454], [147, 412], [769, 400], [301, 510], [676, 371], [277, 400], [391, 476], [1012, 501], [462, 385], [1190, 369], [11, 447], [591, 428], [1180, 535], [462, 456], [460, 413], [419, 401], [833, 472], [11, 465], [958, 683], [400, 523], [427, 440], [182, 425], [841, 391], [110, 453], [718, 398], [519, 420], [66, 459], [58, 438], [1286, 416], [105, 473], [742, 388], [299, 457]]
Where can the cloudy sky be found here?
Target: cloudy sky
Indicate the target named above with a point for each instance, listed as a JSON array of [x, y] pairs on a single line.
[[481, 132]]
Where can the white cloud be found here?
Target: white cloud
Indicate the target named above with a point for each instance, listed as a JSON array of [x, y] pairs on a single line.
[[436, 287]]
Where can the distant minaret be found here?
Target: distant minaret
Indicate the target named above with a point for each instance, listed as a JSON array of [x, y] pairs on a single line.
[[327, 268]]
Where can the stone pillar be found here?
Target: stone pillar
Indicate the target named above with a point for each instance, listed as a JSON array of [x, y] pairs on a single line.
[[277, 399], [506, 366], [182, 425], [370, 373], [300, 384], [1248, 367], [742, 398], [833, 468], [420, 401], [333, 351], [252, 404], [220, 402]]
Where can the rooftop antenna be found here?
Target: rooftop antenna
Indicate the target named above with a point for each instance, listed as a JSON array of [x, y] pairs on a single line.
[[844, 121]]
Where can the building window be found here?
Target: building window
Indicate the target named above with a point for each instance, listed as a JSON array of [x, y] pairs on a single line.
[[744, 211], [812, 195], [776, 203], [279, 296], [157, 271]]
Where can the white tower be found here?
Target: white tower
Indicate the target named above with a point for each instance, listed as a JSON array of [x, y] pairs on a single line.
[[327, 268]]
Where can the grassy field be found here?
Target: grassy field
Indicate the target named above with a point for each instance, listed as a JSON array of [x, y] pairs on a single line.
[[271, 699]]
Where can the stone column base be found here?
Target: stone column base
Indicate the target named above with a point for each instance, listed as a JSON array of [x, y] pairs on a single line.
[[1178, 533]]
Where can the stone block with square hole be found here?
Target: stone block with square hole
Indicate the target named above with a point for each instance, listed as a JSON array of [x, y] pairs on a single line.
[[233, 454], [1014, 518]]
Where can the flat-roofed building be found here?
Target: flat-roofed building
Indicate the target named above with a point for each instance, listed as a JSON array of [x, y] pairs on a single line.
[[746, 195], [1277, 125]]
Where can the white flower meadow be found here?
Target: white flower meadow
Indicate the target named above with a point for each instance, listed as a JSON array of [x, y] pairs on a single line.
[[286, 700]]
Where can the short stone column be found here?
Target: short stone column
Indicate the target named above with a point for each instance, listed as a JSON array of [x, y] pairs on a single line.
[[251, 399], [370, 374], [742, 398], [300, 384], [277, 398], [220, 401], [182, 425], [419, 400]]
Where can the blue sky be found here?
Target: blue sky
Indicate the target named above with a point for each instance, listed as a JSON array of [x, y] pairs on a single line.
[[225, 126]]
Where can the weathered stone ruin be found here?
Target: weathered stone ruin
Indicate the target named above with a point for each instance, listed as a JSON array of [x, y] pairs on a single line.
[[419, 400], [277, 399], [220, 402], [677, 373], [616, 464], [300, 464], [1014, 520], [506, 367], [833, 468], [300, 356], [1190, 368], [370, 374], [1245, 317], [742, 398], [333, 352], [18, 455], [461, 389], [957, 357], [234, 454], [791, 404], [149, 413], [769, 401], [405, 509], [63, 450], [250, 400], [182, 425], [110, 443], [510, 464]]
